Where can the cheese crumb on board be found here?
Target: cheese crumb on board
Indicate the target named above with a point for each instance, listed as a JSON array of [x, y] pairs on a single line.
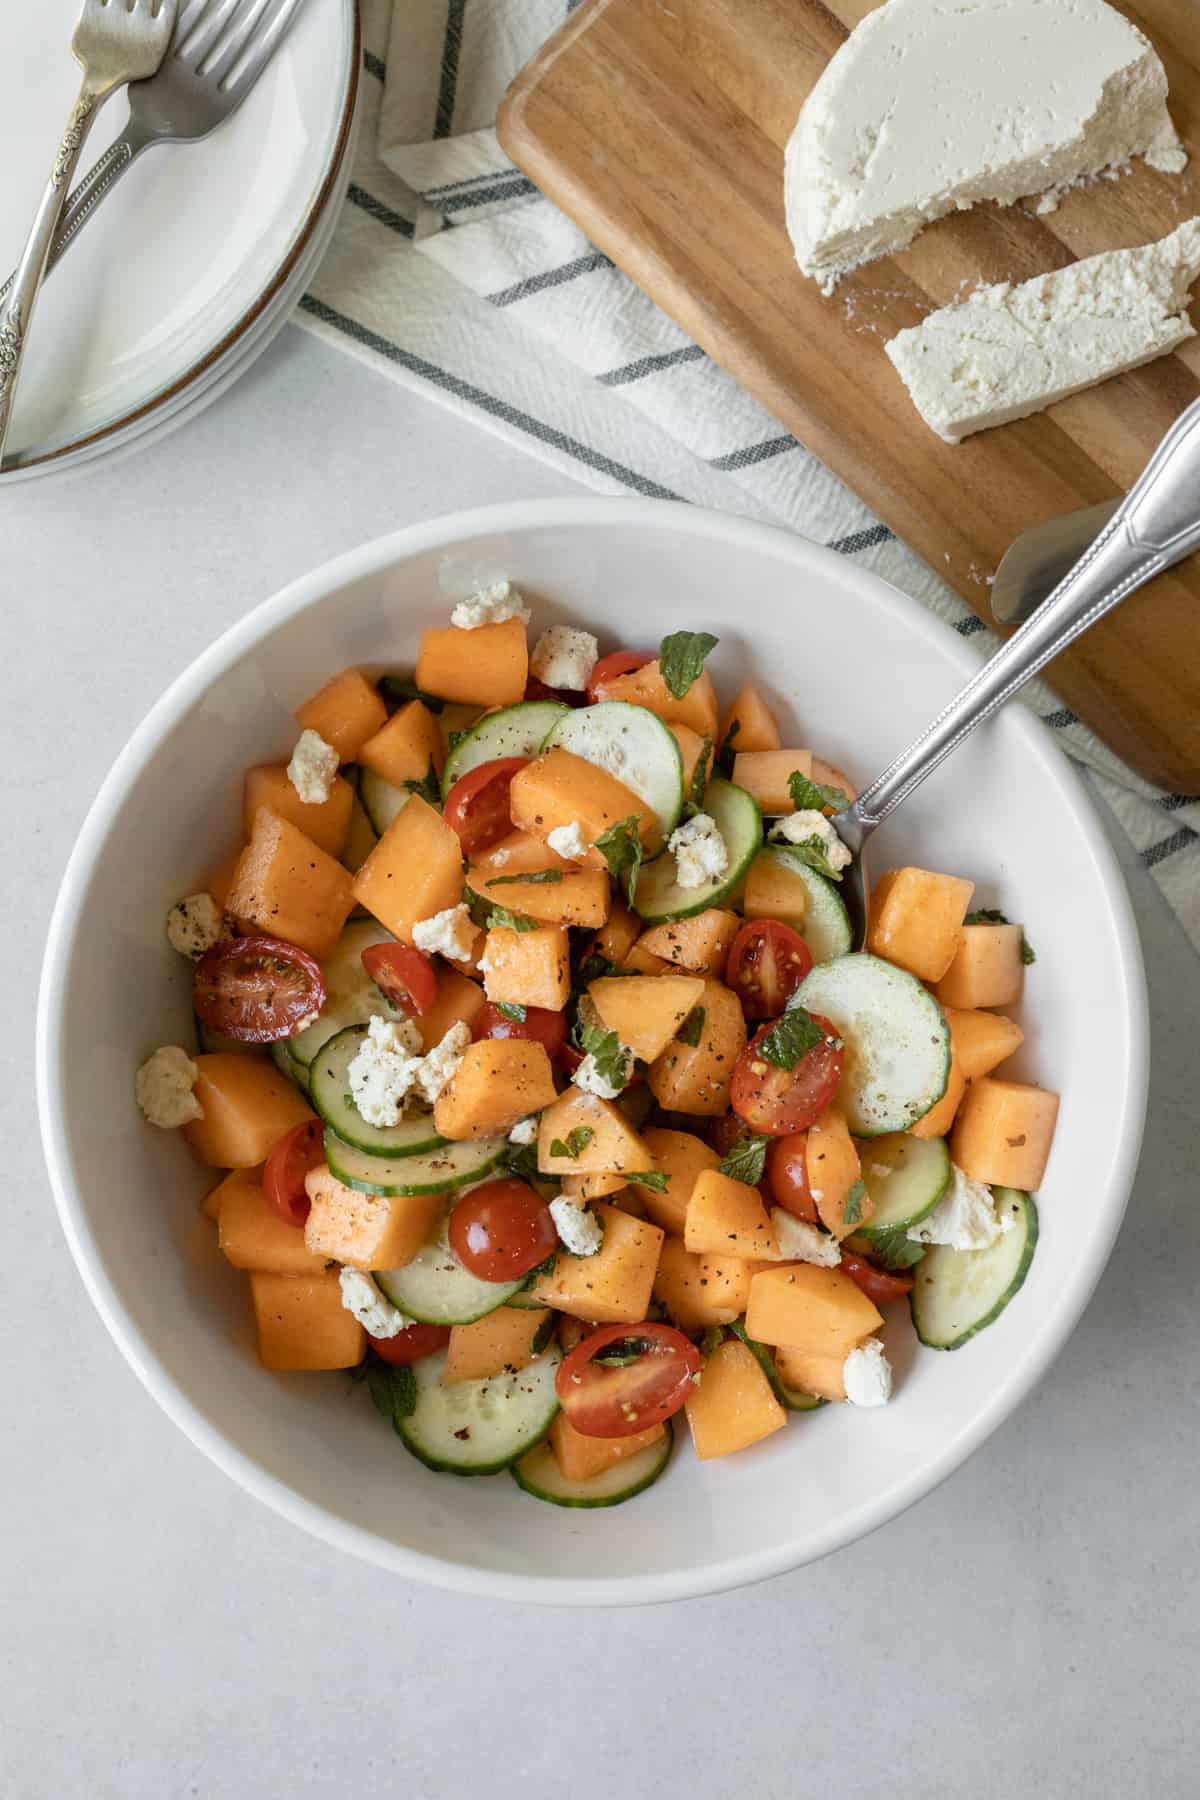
[[163, 1088], [313, 768], [490, 606], [1011, 350], [932, 106]]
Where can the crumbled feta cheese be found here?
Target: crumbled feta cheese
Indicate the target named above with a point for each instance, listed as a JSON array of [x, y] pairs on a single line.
[[490, 606], [435, 1070], [313, 767], [699, 852], [801, 1242], [800, 826], [588, 1077], [384, 1072], [568, 841], [578, 1230], [373, 1310], [450, 933], [867, 1374], [195, 925], [564, 658], [965, 1217], [163, 1088], [524, 1131]]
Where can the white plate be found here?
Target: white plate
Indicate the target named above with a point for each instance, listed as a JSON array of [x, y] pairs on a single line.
[[854, 668], [191, 248]]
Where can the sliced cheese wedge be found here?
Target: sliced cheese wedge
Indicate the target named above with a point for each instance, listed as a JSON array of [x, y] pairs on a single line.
[[934, 105], [1011, 350]]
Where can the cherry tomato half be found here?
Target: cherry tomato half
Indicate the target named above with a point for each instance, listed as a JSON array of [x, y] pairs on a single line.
[[879, 1285], [299, 1150], [403, 975], [619, 662], [787, 1176], [537, 690], [539, 1026], [611, 1402], [502, 1230], [257, 989], [477, 805], [411, 1344], [782, 1101], [767, 961]]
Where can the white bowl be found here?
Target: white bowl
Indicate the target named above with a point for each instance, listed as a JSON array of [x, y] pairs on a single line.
[[856, 670]]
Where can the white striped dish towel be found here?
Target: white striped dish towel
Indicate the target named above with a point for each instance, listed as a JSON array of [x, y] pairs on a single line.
[[450, 272]]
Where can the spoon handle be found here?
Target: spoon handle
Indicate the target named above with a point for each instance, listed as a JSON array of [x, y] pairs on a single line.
[[1157, 524]]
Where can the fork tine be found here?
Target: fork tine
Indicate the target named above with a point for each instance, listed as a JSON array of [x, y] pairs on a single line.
[[244, 62], [205, 29]]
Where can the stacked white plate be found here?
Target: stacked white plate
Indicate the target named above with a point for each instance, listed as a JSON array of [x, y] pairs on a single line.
[[197, 257]]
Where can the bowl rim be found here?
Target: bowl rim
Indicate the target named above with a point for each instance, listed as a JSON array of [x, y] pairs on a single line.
[[375, 558]]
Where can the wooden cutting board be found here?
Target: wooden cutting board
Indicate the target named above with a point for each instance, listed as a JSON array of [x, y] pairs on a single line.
[[659, 126]]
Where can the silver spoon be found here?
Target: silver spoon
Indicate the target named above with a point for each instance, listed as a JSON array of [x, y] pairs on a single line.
[[1157, 524]]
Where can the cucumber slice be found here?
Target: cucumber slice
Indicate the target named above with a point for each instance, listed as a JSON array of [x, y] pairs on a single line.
[[329, 1084], [362, 837], [738, 819], [287, 1065], [513, 731], [538, 1474], [479, 1427], [897, 1042], [905, 1177], [351, 997], [826, 928], [436, 1289], [212, 1042], [431, 1172], [792, 1399], [634, 746], [956, 1293], [381, 801]]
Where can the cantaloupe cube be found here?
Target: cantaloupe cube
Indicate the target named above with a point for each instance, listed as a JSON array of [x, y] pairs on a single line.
[[732, 1405], [691, 1298], [326, 822], [645, 1011], [765, 774], [488, 666], [595, 1135], [219, 881], [808, 1372], [247, 1105], [251, 1234], [726, 1279], [368, 1231], [498, 1081], [680, 1156], [691, 749], [459, 1001], [986, 969], [631, 1200], [559, 788], [414, 871], [577, 896], [940, 1117], [809, 1309], [579, 1457], [775, 891], [916, 918], [591, 1187], [406, 747], [613, 1286], [1004, 1131], [302, 1323], [699, 945], [210, 1206], [696, 1078], [646, 687], [345, 712], [527, 968], [617, 936], [640, 961], [981, 1040], [288, 887], [726, 1217], [833, 1169], [502, 1341], [751, 721]]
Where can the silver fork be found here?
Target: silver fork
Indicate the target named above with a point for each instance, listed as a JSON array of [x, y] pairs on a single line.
[[115, 41], [218, 51]]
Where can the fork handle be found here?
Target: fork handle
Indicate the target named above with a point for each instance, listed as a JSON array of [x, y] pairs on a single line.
[[83, 200], [17, 309]]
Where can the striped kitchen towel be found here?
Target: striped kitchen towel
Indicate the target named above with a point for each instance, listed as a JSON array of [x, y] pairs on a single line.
[[451, 272]]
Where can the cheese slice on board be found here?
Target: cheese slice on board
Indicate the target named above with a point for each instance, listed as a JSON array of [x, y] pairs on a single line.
[[934, 105], [1011, 350]]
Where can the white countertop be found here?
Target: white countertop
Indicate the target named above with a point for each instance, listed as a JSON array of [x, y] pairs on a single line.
[[1029, 1630]]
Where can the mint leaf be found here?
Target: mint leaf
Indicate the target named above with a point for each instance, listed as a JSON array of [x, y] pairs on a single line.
[[398, 690], [814, 796], [511, 1010], [811, 851], [500, 919], [852, 1211], [689, 1032], [534, 877], [542, 1335], [429, 788], [681, 658], [521, 1159], [577, 1142], [607, 1051], [790, 1038], [621, 848], [726, 754], [542, 1268], [894, 1249], [991, 915], [393, 1389], [595, 967], [746, 1160], [699, 779], [1028, 954], [712, 1340], [652, 1179]]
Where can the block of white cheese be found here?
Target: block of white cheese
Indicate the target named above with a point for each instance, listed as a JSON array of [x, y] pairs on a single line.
[[1011, 350], [934, 105]]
